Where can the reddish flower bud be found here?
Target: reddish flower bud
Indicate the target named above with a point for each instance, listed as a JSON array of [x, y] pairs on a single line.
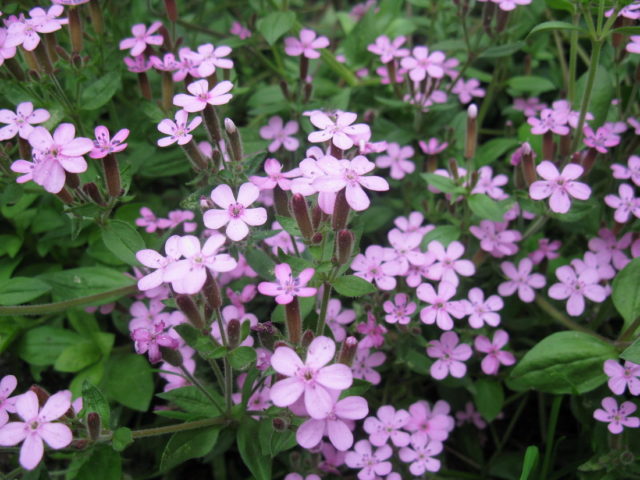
[[300, 211], [344, 246], [294, 321], [190, 309], [235, 141], [340, 211], [307, 338], [112, 175], [348, 351], [281, 202], [172, 356], [93, 425], [211, 291], [233, 332], [172, 10], [91, 189]]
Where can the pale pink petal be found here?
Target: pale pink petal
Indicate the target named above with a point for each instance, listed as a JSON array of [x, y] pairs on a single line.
[[56, 435], [286, 392]]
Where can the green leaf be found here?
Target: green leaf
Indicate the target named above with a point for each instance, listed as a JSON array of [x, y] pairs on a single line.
[[77, 356], [85, 281], [564, 362], [10, 245], [632, 30], [565, 5], [502, 50], [203, 344], [260, 262], [17, 290], [555, 25], [601, 95], [492, 150], [353, 286], [183, 446], [489, 398], [632, 352], [100, 91], [626, 292], [242, 358], [93, 400], [41, 346], [530, 461], [123, 241], [487, 208], [192, 400], [444, 234], [122, 438], [129, 381], [250, 451], [306, 305], [273, 442], [530, 84], [289, 225], [442, 183], [103, 464], [276, 24]]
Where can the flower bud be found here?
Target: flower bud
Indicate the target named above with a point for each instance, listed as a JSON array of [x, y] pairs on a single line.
[[453, 168], [212, 124], [190, 309], [348, 351], [233, 332], [340, 211], [503, 18], [235, 142], [145, 88], [307, 338], [65, 196], [344, 246], [172, 356], [194, 155], [548, 146], [588, 160], [72, 180], [167, 90], [528, 166], [15, 68], [281, 202], [317, 238], [172, 10], [285, 89], [294, 321], [300, 211], [280, 424], [266, 334], [91, 189], [472, 132], [308, 89], [44, 62], [93, 425], [112, 175], [41, 393], [212, 294], [316, 217], [75, 29], [97, 21]]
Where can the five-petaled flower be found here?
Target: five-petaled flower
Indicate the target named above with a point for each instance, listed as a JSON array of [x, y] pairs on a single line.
[[559, 186], [201, 96], [235, 213], [617, 417], [287, 287]]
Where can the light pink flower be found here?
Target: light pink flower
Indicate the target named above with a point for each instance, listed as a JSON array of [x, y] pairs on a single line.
[[209, 58], [187, 65], [621, 377], [7, 404], [495, 355], [152, 259], [201, 96], [467, 90], [616, 417], [275, 176], [138, 64], [372, 331], [307, 44], [312, 378], [141, 38], [281, 134], [550, 120], [635, 124], [288, 286], [600, 262], [340, 131], [433, 146], [21, 122], [388, 49], [398, 159], [413, 223], [297, 476], [634, 44], [421, 454], [471, 415], [607, 242], [364, 363], [520, 279], [388, 425], [575, 287], [625, 203], [236, 214], [483, 311], [178, 131], [149, 339], [336, 319], [148, 220], [430, 423], [450, 356], [103, 145], [38, 425], [176, 217], [370, 463], [448, 265], [601, 140], [400, 310], [490, 185], [495, 238], [406, 249], [240, 30], [546, 249], [166, 63], [508, 5], [376, 266], [6, 51], [529, 106], [422, 63], [440, 309], [632, 170], [559, 186]]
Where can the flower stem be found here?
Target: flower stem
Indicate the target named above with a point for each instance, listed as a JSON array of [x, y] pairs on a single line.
[[626, 334], [551, 431], [180, 427], [322, 318], [200, 387], [564, 320], [586, 97]]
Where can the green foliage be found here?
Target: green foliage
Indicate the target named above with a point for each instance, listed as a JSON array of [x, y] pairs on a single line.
[[258, 463], [353, 286], [626, 292], [183, 446], [128, 380]]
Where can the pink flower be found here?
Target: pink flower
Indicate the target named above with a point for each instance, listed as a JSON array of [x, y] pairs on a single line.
[[334, 426], [236, 214], [209, 58], [490, 185], [634, 44], [625, 203], [176, 217], [406, 249], [38, 425], [508, 5], [312, 378], [275, 176], [493, 348], [600, 262], [433, 146], [21, 123], [6, 51], [421, 63], [201, 96], [607, 242], [297, 476], [288, 286], [152, 259], [398, 159], [178, 131], [364, 363], [7, 404], [138, 64], [440, 309], [370, 463], [374, 333], [141, 38], [601, 140], [450, 356], [413, 223], [149, 339], [549, 120], [430, 423], [529, 106], [336, 318], [620, 377], [575, 287], [467, 90], [388, 425], [483, 311], [448, 265], [240, 30], [559, 186], [340, 131], [187, 65], [376, 266], [617, 418], [387, 49], [400, 310], [283, 241], [421, 455], [148, 220], [471, 415], [632, 171], [495, 238], [282, 135], [167, 63], [306, 45], [103, 145], [521, 280], [546, 249]]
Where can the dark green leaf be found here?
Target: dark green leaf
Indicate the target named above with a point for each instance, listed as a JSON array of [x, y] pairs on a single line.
[[192, 400], [242, 358], [502, 50], [442, 183], [601, 95], [257, 463], [17, 290], [123, 241], [260, 262], [489, 398], [203, 344], [85, 281], [42, 345], [554, 25], [276, 24], [273, 442], [626, 292], [94, 401], [353, 286], [632, 352], [98, 93], [530, 84], [104, 464], [565, 5], [122, 438], [289, 225], [632, 30], [183, 446], [129, 381]]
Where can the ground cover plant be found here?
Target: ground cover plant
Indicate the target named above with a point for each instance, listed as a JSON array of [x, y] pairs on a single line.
[[277, 239]]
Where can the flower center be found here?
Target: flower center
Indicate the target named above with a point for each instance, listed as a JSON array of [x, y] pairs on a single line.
[[236, 210]]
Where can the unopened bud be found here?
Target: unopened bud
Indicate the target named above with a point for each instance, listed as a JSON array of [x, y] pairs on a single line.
[[93, 425], [233, 332], [190, 309], [212, 124], [474, 178], [91, 189], [279, 344], [75, 29], [294, 321], [528, 166], [72, 180], [145, 87], [317, 238], [453, 168], [112, 175], [15, 68], [194, 155], [503, 18], [316, 217], [167, 90], [285, 89], [280, 424], [41, 393], [548, 146], [172, 10], [235, 142], [211, 290], [95, 11], [281, 202], [308, 89], [588, 160], [307, 338], [166, 37], [42, 56], [488, 11], [65, 196], [340, 211], [348, 351], [300, 211], [472, 132], [34, 75], [172, 356], [266, 334], [344, 246]]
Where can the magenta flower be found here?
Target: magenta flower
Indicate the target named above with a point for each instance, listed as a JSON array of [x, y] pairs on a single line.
[[430, 423], [450, 355], [625, 203], [372, 331], [400, 310], [601, 140], [281, 135], [433, 146], [607, 242], [483, 311], [21, 122], [549, 120], [201, 96], [600, 262], [187, 65], [376, 266], [388, 425], [38, 425], [149, 339], [470, 415], [138, 64], [495, 355], [529, 106], [208, 58], [370, 463], [103, 145], [364, 363], [634, 44], [236, 214], [7, 404], [620, 377], [176, 217], [546, 249], [576, 287], [421, 454], [335, 425], [152, 259], [336, 319], [287, 286], [388, 49], [440, 309], [297, 476], [398, 159], [413, 223], [141, 38], [447, 265], [340, 131], [312, 378], [178, 131], [422, 63], [166, 63], [490, 185], [495, 238], [307, 44], [148, 220], [559, 186], [240, 30], [520, 279], [275, 176], [617, 418], [466, 91]]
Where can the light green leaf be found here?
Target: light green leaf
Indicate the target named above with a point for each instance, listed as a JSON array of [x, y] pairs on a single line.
[[98, 93], [353, 286], [77, 356], [554, 25], [42, 345], [275, 25], [530, 461], [183, 446], [123, 241], [487, 208], [17, 290]]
